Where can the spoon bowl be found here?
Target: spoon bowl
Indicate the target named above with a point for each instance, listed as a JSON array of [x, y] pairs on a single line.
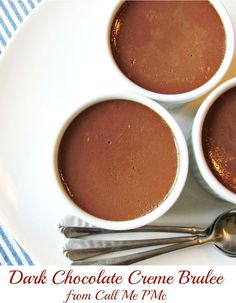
[[224, 233]]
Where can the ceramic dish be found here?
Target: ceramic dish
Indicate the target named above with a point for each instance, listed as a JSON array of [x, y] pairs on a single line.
[[181, 174], [201, 169], [173, 100]]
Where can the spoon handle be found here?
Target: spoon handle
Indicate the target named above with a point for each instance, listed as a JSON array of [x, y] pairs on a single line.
[[85, 249], [77, 231], [133, 258]]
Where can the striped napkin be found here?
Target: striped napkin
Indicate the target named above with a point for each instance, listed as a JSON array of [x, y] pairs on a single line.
[[12, 13]]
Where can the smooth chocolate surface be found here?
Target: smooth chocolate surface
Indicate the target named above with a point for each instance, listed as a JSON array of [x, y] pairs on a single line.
[[219, 139], [118, 160], [168, 47]]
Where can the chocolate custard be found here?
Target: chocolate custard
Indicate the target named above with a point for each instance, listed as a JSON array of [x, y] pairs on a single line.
[[168, 47], [118, 160], [219, 139]]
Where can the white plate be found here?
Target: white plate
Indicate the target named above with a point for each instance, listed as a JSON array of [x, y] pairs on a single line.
[[58, 58]]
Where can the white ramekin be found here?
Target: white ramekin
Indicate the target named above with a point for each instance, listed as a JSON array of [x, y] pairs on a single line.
[[169, 100], [200, 167], [176, 188]]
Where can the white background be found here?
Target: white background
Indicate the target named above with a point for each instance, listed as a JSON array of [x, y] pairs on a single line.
[[176, 292]]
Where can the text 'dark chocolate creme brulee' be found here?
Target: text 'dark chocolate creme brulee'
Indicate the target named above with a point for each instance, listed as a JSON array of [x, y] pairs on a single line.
[[118, 160], [168, 47], [219, 139]]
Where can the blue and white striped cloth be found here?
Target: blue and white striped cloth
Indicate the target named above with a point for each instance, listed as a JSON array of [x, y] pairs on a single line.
[[12, 13]]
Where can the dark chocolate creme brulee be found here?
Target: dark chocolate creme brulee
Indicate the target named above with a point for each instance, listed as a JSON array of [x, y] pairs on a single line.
[[118, 160], [219, 139], [168, 47]]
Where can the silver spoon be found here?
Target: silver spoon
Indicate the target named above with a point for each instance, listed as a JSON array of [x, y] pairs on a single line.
[[222, 232], [80, 231], [81, 249], [85, 249]]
